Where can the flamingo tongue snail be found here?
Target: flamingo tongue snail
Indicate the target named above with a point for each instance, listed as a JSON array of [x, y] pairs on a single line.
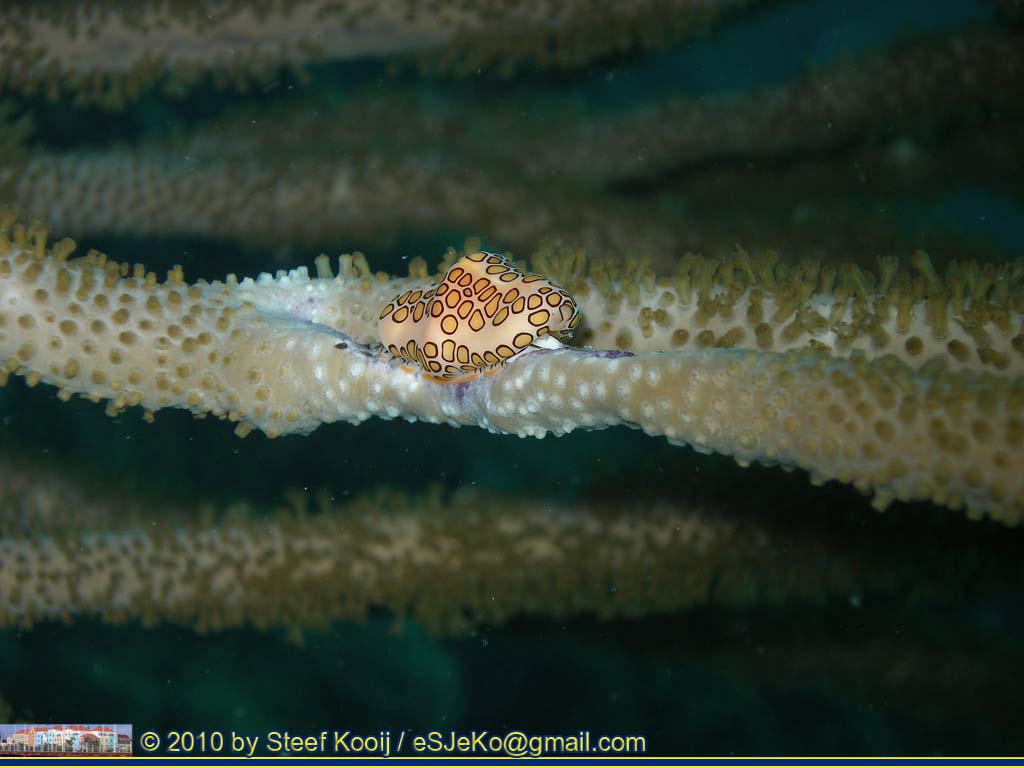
[[482, 313]]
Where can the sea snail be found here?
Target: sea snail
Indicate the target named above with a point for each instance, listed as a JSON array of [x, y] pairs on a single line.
[[482, 313]]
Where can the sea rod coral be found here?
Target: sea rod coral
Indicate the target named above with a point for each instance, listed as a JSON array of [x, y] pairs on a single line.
[[450, 563], [277, 353], [106, 52]]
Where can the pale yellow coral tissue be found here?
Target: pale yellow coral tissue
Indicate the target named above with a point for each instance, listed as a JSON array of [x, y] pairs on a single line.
[[909, 387]]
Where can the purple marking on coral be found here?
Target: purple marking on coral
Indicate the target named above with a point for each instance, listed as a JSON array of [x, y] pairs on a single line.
[[304, 309], [461, 389], [612, 354]]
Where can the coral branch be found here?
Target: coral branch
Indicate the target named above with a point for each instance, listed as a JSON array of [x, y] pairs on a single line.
[[912, 88], [156, 190], [449, 563], [277, 354], [446, 565], [105, 52], [918, 90]]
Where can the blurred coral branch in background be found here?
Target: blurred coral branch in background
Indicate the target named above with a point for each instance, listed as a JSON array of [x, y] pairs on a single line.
[[106, 53], [450, 563]]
